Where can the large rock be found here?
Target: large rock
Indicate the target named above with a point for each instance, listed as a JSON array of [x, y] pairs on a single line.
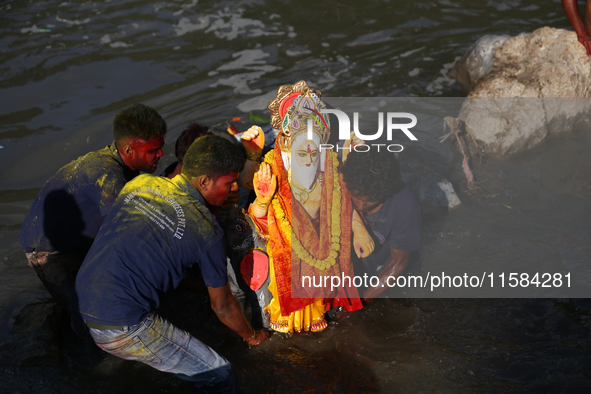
[[477, 62], [539, 84]]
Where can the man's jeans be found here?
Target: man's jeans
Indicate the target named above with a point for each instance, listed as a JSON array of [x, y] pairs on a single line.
[[167, 348]]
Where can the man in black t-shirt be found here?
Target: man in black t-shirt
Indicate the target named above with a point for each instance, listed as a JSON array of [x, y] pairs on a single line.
[[390, 212]]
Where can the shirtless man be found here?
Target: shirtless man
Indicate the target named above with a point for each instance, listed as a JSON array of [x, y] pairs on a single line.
[[582, 29]]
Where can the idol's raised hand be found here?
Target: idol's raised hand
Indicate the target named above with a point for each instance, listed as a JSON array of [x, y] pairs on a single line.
[[253, 139], [265, 184]]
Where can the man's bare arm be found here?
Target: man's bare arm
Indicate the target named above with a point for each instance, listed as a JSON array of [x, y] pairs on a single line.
[[397, 265], [227, 309], [571, 8]]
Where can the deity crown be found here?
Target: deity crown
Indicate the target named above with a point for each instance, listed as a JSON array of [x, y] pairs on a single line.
[[292, 109]]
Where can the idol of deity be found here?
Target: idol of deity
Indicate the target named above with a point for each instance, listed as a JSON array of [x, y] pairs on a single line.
[[304, 212]]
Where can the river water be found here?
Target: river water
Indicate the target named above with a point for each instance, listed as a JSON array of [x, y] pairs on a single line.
[[68, 66]]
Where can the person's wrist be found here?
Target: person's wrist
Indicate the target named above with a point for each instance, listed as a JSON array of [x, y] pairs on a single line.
[[262, 203], [254, 155], [254, 334]]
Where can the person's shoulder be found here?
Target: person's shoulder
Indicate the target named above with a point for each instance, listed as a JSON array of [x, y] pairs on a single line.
[[405, 197], [105, 152], [102, 160], [77, 170], [148, 180], [405, 192]]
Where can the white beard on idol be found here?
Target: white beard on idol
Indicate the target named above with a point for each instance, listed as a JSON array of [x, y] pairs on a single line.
[[303, 174]]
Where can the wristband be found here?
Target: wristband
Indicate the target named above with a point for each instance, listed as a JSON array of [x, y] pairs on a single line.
[[253, 335], [261, 204], [254, 156]]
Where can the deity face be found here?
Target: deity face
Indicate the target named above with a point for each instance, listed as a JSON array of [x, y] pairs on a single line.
[[306, 154], [305, 163]]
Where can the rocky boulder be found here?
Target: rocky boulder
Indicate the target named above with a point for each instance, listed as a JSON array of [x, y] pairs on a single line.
[[539, 83], [477, 62]]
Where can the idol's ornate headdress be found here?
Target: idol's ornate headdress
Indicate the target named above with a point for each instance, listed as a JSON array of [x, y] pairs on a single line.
[[292, 108]]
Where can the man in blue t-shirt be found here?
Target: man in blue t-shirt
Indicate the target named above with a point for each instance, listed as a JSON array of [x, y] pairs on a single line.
[[156, 230], [69, 209], [390, 212]]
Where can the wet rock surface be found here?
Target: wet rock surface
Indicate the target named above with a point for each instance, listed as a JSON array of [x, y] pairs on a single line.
[[533, 88], [477, 62]]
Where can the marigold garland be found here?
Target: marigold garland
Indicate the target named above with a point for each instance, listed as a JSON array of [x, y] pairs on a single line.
[[303, 253]]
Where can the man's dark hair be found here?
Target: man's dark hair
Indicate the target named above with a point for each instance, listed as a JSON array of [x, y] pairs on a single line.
[[191, 133], [139, 121], [375, 175], [213, 156]]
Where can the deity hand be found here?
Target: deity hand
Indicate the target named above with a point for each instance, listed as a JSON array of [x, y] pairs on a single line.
[[253, 140], [351, 143], [265, 184], [362, 242]]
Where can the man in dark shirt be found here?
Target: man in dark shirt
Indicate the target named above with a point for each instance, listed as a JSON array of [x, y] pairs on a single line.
[[157, 229], [239, 234], [68, 211], [390, 212]]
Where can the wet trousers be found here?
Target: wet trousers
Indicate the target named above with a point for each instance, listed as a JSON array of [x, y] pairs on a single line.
[[159, 344]]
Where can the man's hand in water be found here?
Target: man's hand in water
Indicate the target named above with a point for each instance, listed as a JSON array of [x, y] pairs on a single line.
[[260, 336]]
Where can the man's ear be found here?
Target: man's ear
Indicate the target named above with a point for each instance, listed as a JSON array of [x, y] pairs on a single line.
[[124, 147], [202, 183], [128, 150]]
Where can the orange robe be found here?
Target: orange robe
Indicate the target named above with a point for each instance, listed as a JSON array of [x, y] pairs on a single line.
[[295, 307]]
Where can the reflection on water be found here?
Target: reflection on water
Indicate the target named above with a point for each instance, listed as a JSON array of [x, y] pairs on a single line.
[[66, 67]]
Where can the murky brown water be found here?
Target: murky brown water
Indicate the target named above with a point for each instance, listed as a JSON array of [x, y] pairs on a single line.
[[210, 61]]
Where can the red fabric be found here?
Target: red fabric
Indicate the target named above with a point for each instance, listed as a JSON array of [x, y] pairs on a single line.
[[286, 103], [254, 268]]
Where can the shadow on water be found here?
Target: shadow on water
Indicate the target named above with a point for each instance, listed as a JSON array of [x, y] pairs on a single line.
[[63, 224], [49, 358]]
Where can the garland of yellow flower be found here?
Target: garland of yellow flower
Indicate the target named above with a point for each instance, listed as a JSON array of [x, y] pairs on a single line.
[[303, 253]]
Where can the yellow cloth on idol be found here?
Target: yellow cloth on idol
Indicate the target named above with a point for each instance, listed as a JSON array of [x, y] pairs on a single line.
[[295, 308], [321, 245], [310, 318]]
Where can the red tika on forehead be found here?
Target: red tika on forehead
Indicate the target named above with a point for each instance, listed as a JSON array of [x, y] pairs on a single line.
[[309, 150]]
